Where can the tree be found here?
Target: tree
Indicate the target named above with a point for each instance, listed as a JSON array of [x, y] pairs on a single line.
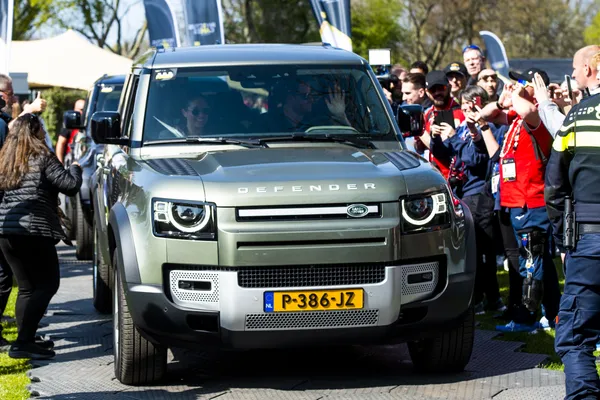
[[96, 19], [269, 21], [541, 29], [375, 25], [29, 15], [591, 34]]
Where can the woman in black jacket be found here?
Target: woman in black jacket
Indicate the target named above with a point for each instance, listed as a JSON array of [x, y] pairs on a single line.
[[31, 177]]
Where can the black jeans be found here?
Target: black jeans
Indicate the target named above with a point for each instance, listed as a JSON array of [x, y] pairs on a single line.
[[6, 283], [34, 261], [482, 208], [511, 249]]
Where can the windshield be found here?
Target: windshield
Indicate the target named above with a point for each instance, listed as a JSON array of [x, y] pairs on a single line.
[[263, 101], [108, 97]]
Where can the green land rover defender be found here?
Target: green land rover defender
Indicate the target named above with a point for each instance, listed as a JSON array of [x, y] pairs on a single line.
[[260, 196]]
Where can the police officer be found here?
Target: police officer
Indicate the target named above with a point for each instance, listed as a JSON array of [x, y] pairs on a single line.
[[573, 172]]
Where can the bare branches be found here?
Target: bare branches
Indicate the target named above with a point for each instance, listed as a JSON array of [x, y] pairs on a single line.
[[97, 20]]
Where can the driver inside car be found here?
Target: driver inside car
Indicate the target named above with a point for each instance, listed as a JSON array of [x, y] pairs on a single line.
[[298, 111]]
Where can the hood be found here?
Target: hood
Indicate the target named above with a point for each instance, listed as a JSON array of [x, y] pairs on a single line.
[[286, 176]]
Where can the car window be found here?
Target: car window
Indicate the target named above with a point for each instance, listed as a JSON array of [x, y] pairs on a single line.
[[108, 97], [259, 101]]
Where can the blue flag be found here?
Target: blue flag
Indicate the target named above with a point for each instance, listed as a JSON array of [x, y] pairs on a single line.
[[162, 23], [204, 22], [495, 52], [333, 17]]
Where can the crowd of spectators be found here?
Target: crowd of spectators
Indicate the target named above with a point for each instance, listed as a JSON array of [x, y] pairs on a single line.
[[493, 150]]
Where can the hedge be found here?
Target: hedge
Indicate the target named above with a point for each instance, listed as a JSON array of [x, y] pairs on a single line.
[[58, 101]]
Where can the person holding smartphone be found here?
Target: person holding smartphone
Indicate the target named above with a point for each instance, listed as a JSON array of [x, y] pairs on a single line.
[[467, 148], [523, 157], [444, 109], [583, 78]]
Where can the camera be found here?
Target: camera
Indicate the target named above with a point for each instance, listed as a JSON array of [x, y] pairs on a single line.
[[381, 63], [385, 78]]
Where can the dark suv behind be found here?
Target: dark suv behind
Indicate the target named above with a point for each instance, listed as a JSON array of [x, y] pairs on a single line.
[[103, 96]]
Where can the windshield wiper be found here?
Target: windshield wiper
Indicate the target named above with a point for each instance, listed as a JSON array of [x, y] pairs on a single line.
[[209, 140], [301, 137]]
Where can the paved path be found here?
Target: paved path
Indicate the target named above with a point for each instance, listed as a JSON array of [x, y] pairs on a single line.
[[83, 367]]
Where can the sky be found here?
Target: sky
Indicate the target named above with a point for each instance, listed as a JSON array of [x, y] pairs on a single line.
[[132, 21], [134, 18]]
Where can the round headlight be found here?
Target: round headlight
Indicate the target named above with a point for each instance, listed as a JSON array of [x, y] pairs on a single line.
[[189, 218], [418, 211]]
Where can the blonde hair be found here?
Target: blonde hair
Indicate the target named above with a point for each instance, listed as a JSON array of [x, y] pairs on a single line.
[[595, 61]]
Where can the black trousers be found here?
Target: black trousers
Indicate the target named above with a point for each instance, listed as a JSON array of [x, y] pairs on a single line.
[[486, 282], [511, 249], [6, 283], [34, 261]]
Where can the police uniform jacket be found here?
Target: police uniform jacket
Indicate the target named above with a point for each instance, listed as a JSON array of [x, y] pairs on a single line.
[[574, 167]]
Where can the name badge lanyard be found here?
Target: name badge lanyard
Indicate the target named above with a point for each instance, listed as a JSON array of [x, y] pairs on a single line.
[[509, 171]]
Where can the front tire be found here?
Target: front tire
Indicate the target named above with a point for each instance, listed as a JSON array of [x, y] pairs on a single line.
[[102, 279], [450, 351], [83, 234], [137, 360]]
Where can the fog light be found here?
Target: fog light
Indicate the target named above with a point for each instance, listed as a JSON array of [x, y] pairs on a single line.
[[421, 277], [195, 285]]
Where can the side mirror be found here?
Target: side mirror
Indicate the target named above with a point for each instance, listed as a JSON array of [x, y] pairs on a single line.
[[72, 120], [106, 128], [410, 119]]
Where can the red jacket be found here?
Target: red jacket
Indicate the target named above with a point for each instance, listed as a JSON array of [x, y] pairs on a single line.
[[428, 116], [528, 186]]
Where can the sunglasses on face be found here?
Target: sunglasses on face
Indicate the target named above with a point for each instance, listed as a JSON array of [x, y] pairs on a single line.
[[305, 96], [492, 78], [199, 110], [437, 88]]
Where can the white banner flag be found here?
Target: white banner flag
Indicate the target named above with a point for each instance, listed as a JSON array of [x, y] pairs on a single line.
[[6, 21]]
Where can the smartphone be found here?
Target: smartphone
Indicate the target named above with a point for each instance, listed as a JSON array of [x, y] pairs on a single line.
[[478, 101], [446, 116], [569, 87]]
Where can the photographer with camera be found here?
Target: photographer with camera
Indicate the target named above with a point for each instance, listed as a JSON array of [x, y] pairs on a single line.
[[522, 165], [391, 82]]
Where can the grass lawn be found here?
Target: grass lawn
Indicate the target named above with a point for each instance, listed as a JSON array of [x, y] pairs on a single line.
[[542, 342], [13, 378]]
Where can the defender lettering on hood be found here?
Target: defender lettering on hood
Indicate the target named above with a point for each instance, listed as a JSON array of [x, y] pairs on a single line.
[[307, 188]]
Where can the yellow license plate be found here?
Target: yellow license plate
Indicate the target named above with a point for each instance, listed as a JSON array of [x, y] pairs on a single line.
[[314, 300]]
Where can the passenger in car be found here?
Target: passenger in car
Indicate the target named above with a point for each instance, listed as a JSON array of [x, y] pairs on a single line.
[[196, 115]]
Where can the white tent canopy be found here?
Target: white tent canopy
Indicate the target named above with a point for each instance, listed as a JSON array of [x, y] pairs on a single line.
[[67, 60]]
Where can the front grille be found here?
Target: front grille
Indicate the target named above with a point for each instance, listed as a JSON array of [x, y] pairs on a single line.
[[304, 276], [312, 319]]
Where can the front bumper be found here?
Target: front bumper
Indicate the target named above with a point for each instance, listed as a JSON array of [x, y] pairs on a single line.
[[234, 316]]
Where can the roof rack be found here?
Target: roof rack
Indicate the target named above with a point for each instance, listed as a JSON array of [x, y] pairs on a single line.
[[323, 44]]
